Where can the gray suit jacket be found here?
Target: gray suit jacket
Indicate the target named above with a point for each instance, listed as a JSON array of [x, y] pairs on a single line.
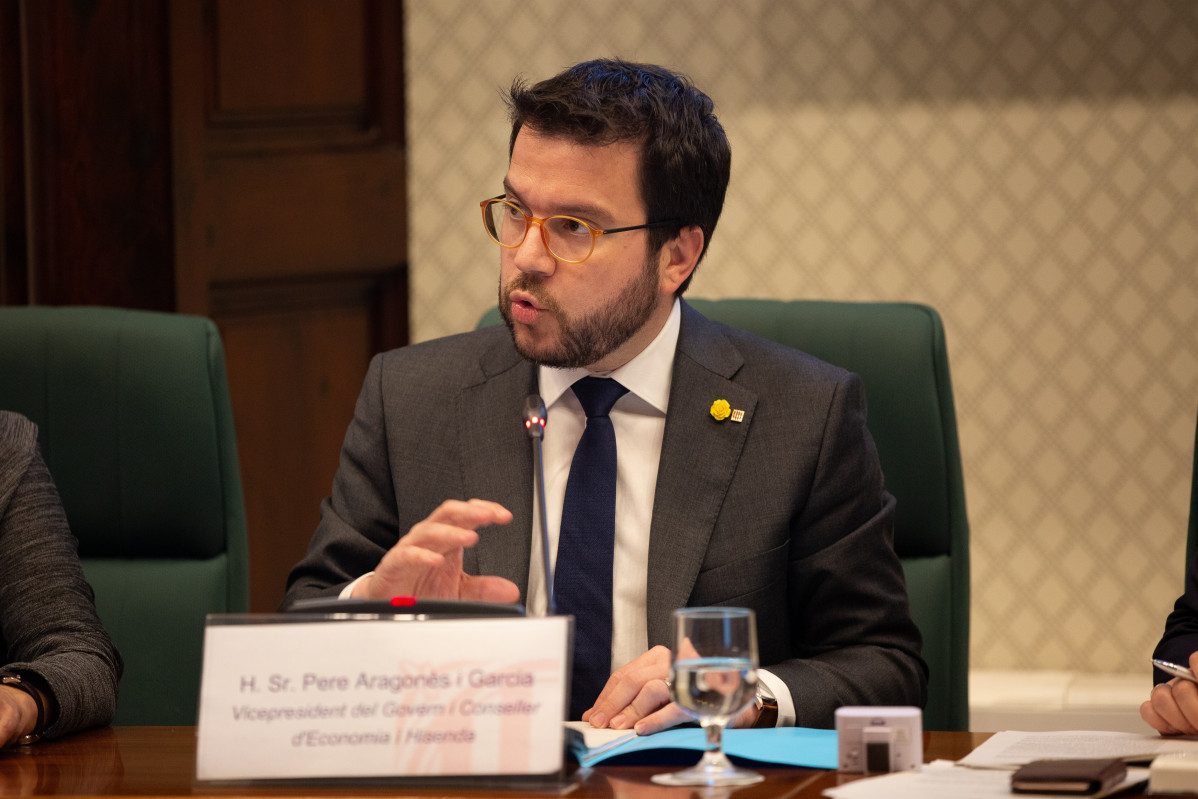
[[784, 512], [49, 630]]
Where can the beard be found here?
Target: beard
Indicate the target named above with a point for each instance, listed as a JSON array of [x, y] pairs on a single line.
[[585, 340]]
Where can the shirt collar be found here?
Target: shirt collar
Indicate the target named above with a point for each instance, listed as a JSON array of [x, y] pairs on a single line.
[[648, 375]]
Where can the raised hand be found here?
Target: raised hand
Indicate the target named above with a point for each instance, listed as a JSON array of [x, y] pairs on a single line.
[[427, 562]]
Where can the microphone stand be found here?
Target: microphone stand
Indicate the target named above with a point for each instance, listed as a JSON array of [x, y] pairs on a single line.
[[534, 422]]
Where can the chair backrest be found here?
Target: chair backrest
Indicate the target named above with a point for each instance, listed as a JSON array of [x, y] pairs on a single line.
[[899, 351], [136, 427]]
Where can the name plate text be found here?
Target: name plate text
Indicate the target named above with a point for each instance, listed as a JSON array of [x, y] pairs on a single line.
[[381, 698]]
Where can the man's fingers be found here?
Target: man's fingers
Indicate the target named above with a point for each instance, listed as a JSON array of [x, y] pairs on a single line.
[[427, 561], [654, 695], [1155, 720], [1185, 695], [620, 690], [453, 524], [489, 589], [686, 650], [401, 572], [471, 514], [1164, 702], [409, 560], [669, 716], [626, 682], [438, 537]]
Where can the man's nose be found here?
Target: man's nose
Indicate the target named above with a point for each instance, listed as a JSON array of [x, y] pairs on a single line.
[[532, 255]]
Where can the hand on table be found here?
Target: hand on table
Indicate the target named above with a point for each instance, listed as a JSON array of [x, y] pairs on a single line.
[[18, 714], [637, 697], [427, 562], [1172, 708]]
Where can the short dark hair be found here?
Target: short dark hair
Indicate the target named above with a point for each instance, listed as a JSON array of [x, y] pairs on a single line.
[[685, 158]]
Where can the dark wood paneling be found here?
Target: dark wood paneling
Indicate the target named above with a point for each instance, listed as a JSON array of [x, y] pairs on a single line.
[[98, 153], [292, 209], [14, 266], [327, 212], [301, 351], [239, 159], [300, 139], [293, 63]]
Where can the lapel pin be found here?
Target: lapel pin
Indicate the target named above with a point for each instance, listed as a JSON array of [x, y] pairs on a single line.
[[721, 410]]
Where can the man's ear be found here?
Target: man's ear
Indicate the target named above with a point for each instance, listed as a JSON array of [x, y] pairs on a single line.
[[678, 258]]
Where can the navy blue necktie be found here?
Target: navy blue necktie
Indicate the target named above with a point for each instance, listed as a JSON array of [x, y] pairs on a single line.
[[582, 578]]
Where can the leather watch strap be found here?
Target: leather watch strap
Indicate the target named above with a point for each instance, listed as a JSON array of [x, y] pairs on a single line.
[[767, 707]]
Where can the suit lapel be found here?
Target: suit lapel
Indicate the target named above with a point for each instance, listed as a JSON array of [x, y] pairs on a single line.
[[698, 458], [497, 460]]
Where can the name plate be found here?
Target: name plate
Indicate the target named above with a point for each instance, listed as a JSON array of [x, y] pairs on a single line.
[[380, 698]]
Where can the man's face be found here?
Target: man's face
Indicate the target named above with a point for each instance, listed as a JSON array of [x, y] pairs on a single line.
[[602, 312]]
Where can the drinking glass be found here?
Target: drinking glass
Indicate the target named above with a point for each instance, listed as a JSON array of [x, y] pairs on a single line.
[[713, 676]]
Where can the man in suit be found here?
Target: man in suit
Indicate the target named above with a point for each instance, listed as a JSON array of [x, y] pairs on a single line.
[[1172, 707], [746, 475]]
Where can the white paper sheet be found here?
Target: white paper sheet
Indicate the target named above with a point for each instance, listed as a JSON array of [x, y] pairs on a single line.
[[944, 780], [1012, 748]]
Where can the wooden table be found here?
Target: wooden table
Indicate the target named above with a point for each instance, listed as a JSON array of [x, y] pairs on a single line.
[[160, 761]]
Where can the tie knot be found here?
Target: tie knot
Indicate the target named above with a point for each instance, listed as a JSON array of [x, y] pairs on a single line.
[[598, 395]]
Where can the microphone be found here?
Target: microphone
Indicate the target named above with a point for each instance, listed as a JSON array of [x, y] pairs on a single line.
[[534, 416], [534, 423]]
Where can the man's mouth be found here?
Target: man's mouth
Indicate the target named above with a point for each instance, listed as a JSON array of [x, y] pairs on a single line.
[[524, 308]]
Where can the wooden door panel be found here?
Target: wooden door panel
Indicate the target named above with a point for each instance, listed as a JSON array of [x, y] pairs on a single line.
[[299, 59], [306, 213], [293, 385], [290, 217]]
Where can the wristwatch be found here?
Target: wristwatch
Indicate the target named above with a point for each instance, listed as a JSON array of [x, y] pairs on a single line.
[[767, 707], [16, 682]]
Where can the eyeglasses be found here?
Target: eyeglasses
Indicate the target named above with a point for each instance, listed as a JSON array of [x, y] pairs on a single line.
[[567, 238]]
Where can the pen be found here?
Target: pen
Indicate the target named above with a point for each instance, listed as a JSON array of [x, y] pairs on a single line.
[[1175, 670]]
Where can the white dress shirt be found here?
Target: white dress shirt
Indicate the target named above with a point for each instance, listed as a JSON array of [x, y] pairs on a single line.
[[639, 421]]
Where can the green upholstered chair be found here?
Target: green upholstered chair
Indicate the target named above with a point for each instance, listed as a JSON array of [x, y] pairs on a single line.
[[899, 351], [136, 427]]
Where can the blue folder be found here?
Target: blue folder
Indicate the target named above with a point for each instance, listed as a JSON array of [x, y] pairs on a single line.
[[778, 746]]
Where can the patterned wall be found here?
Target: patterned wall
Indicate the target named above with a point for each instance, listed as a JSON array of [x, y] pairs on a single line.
[[1029, 168]]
